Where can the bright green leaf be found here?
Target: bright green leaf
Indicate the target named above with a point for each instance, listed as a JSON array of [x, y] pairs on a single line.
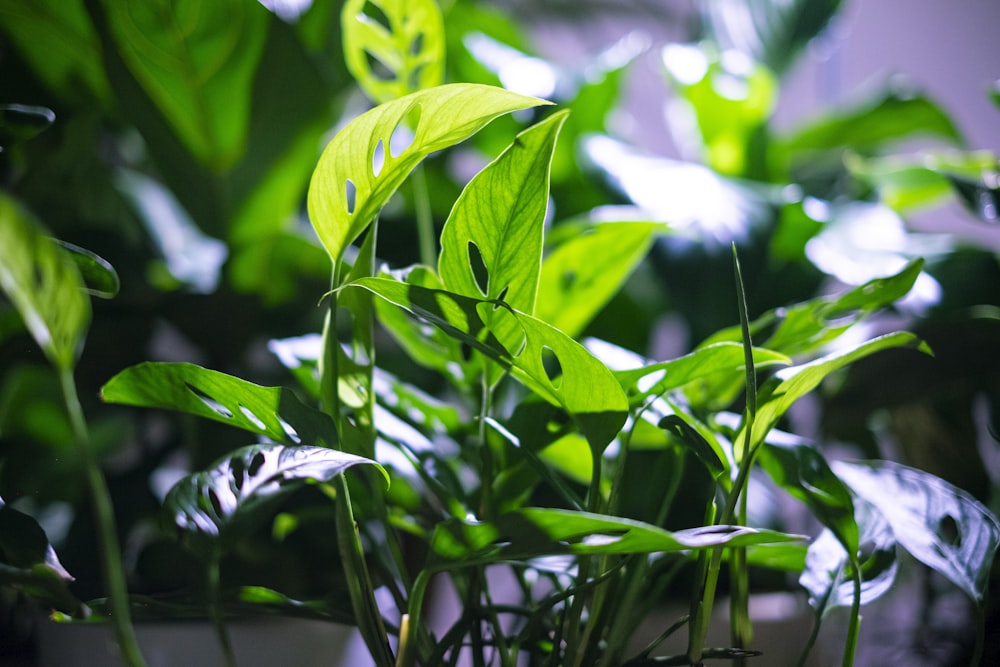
[[393, 47], [98, 275], [43, 284], [364, 164]]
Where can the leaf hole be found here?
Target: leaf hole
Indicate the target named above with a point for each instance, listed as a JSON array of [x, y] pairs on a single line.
[[256, 463], [949, 531], [378, 158], [480, 273], [254, 419], [405, 131], [466, 351], [216, 502], [417, 44], [289, 431], [502, 296], [553, 369], [351, 193], [379, 69], [413, 78], [372, 13], [212, 404]]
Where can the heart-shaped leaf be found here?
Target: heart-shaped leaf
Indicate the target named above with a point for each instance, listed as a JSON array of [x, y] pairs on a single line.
[[364, 164], [939, 524], [274, 412], [393, 47], [220, 505], [43, 284]]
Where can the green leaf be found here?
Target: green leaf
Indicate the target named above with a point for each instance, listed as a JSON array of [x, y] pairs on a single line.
[[98, 275], [393, 47], [220, 505], [28, 562], [696, 442], [274, 412], [20, 122], [939, 524], [580, 384], [582, 274], [58, 41], [769, 31], [43, 284], [363, 165], [541, 531], [498, 222], [790, 384], [196, 60]]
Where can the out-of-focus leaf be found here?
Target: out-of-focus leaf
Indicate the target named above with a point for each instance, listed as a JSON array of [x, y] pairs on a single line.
[[491, 244], [274, 412], [196, 60], [393, 47], [217, 507], [829, 576], [580, 384], [20, 122], [769, 31], [581, 274], [58, 41], [542, 531], [29, 563], [43, 284], [980, 197], [365, 164], [939, 524], [98, 275]]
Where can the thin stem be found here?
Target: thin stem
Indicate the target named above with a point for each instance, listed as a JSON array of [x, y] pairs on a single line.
[[980, 619], [215, 609], [854, 626], [100, 497], [425, 219]]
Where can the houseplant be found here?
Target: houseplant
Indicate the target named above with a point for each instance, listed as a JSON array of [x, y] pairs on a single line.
[[526, 463]]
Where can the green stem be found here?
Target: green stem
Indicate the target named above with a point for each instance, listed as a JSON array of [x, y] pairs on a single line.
[[215, 609], [854, 626], [425, 218], [100, 496], [977, 652]]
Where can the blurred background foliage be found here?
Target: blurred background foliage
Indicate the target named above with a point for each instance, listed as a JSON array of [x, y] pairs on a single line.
[[176, 139]]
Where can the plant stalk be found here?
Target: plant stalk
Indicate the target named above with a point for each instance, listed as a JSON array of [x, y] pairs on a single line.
[[215, 607], [425, 217]]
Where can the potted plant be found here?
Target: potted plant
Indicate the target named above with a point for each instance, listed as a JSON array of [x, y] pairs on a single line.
[[559, 487]]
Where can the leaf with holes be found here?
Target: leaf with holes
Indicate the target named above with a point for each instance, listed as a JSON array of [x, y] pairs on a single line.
[[544, 359], [582, 273], [393, 47], [491, 244], [939, 524], [370, 158], [273, 412], [43, 284], [540, 531], [218, 506]]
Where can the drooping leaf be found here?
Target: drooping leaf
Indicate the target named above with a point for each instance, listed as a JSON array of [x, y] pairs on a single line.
[[20, 122], [581, 274], [196, 60], [364, 164], [393, 47], [98, 275], [220, 505], [696, 442], [542, 531], [582, 385], [939, 524], [274, 412], [43, 284], [498, 221]]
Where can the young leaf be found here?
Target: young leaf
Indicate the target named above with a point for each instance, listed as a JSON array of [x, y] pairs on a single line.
[[393, 47], [98, 275], [499, 217], [274, 412], [222, 504], [43, 284], [582, 274], [347, 191], [939, 524]]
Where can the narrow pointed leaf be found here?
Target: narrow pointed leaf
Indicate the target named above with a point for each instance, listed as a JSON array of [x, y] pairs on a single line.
[[347, 192], [939, 524], [222, 504], [390, 61], [98, 275], [43, 284], [274, 412], [20, 122], [500, 215]]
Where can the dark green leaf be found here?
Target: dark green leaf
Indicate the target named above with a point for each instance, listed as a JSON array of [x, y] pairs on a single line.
[[274, 412], [20, 122], [363, 166], [222, 504], [394, 59], [939, 524], [43, 284], [98, 275], [695, 442]]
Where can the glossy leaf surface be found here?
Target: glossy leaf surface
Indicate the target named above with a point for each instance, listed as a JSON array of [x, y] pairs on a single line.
[[43, 284], [274, 412], [20, 122], [939, 524], [393, 47], [350, 185], [98, 275]]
